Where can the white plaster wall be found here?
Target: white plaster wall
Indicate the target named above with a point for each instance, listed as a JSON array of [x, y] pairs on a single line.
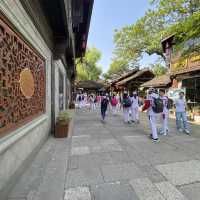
[[18, 146], [59, 67]]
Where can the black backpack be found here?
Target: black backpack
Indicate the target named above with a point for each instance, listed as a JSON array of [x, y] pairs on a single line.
[[158, 105], [170, 104], [79, 98], [104, 102], [127, 102]]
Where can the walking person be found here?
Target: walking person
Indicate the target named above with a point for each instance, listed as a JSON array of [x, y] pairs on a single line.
[[79, 100], [135, 107], [118, 97], [165, 115], [126, 103], [181, 117], [154, 106], [114, 103], [104, 106], [91, 101]]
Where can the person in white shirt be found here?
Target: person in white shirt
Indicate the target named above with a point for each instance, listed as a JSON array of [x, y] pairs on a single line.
[[181, 116], [153, 112], [165, 114], [79, 100], [135, 107]]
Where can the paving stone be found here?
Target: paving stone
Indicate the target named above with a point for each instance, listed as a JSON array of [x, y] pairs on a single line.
[[137, 157], [82, 140], [191, 191], [169, 191], [136, 139], [113, 191], [153, 174], [119, 157], [79, 193], [124, 171], [94, 160], [181, 173], [86, 176], [110, 145], [73, 162], [145, 189], [80, 150]]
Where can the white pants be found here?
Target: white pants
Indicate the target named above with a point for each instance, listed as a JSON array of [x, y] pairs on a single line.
[[79, 104], [126, 114], [135, 113], [114, 110], [165, 123], [92, 106], [153, 125]]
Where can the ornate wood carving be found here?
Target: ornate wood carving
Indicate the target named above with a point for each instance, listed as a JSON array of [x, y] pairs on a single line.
[[22, 80]]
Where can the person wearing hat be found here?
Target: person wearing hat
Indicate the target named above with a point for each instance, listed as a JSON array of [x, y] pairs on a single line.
[[152, 112], [135, 107]]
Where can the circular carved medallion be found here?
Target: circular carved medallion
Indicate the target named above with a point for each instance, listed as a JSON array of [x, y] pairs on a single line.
[[27, 83]]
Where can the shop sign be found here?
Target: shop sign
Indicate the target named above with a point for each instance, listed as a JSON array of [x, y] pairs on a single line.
[[185, 63]]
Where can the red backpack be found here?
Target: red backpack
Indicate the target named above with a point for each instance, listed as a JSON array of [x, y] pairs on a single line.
[[114, 101]]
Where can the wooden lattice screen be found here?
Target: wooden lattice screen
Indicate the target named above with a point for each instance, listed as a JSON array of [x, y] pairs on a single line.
[[22, 80]]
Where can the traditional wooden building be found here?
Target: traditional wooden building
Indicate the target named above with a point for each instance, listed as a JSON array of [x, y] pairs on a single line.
[[163, 82], [89, 86], [113, 83], [134, 81], [185, 69], [39, 41]]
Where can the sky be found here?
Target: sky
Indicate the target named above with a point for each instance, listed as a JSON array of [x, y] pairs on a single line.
[[109, 15]]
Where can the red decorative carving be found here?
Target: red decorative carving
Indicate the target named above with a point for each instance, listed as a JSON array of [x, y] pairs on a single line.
[[16, 56]]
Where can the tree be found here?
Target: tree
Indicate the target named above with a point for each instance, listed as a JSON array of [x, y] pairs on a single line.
[[87, 67], [116, 67], [168, 17], [158, 69]]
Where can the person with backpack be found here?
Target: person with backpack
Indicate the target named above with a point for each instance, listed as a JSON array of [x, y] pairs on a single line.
[[104, 106], [126, 103], [114, 103], [154, 106], [181, 116], [135, 107], [165, 114]]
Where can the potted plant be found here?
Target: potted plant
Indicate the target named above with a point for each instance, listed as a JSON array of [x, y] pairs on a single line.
[[62, 124]]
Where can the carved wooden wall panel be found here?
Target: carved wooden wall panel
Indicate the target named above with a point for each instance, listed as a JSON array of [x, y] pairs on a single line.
[[22, 80]]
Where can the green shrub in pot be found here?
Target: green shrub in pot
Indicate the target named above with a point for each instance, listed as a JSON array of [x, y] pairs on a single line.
[[64, 117]]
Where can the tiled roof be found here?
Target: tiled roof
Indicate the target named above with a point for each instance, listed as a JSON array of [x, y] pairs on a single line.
[[134, 76], [160, 81]]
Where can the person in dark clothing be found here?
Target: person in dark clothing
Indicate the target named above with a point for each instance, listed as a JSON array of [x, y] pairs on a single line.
[[104, 106]]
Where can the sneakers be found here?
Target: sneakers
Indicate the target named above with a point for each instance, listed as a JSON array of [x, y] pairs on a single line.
[[155, 140], [180, 130], [187, 132]]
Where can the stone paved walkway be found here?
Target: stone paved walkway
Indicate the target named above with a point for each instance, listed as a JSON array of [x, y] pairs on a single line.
[[114, 161]]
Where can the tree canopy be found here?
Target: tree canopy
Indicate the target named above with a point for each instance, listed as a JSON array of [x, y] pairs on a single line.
[[158, 69], [87, 67], [179, 17]]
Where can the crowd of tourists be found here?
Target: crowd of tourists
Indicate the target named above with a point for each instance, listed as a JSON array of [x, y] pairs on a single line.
[[156, 104]]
